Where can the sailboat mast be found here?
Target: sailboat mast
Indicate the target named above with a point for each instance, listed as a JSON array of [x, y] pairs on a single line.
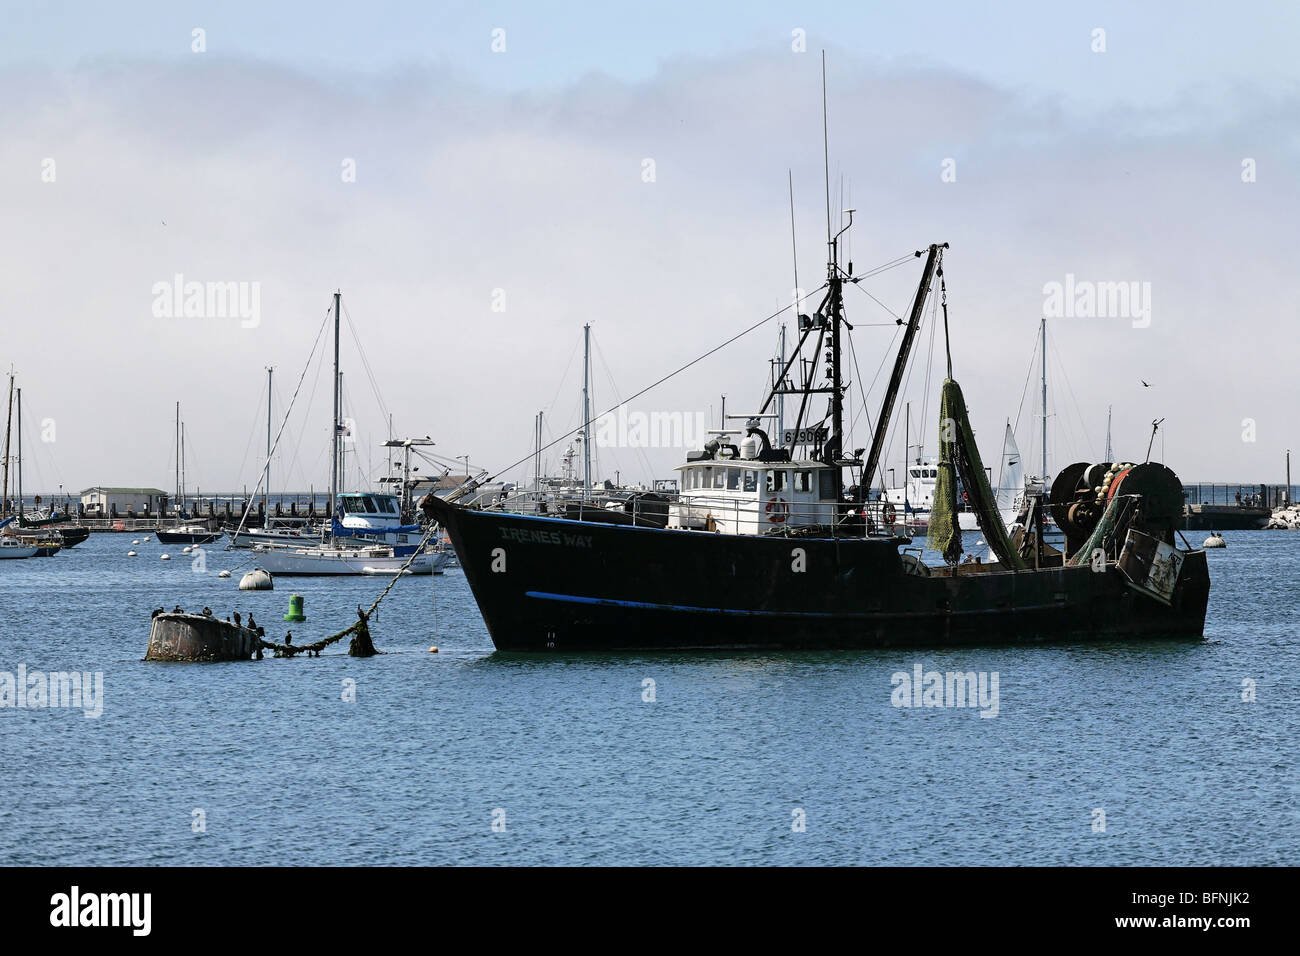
[[182, 463], [9, 418], [586, 409], [20, 457], [266, 475], [1108, 451], [1043, 333], [176, 502], [334, 455]]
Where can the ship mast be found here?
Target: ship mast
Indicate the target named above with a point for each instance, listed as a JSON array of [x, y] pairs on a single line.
[[1043, 333], [900, 364], [334, 451], [266, 474], [537, 456], [586, 410], [1108, 451], [9, 420], [20, 457]]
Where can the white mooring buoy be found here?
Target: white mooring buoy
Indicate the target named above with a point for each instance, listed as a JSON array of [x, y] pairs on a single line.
[[257, 580], [136, 541], [130, 554], [223, 574], [1215, 540], [165, 557]]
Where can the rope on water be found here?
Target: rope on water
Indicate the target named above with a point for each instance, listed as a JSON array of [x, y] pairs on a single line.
[[362, 645]]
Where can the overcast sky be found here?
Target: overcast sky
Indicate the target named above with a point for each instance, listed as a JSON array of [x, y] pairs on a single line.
[[517, 178]]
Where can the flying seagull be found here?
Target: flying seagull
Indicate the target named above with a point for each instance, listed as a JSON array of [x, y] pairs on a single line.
[[1145, 384]]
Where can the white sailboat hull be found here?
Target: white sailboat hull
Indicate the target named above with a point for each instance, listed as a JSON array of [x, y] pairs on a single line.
[[18, 551], [345, 561]]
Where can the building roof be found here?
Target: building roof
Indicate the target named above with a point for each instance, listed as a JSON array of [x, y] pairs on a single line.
[[123, 491]]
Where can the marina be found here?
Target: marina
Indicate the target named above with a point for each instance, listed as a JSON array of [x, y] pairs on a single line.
[[677, 436]]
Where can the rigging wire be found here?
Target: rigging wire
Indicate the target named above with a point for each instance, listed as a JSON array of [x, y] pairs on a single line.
[[1028, 375], [655, 384], [882, 305], [645, 461], [248, 507], [365, 364], [1089, 446]]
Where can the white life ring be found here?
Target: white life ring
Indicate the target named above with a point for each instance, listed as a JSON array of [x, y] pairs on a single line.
[[777, 510]]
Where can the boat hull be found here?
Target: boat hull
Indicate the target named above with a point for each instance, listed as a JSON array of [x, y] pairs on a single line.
[[250, 539], [557, 584], [343, 561], [199, 637], [72, 537], [187, 537]]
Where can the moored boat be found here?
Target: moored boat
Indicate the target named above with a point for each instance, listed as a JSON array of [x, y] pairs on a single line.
[[327, 559], [770, 547], [188, 534], [11, 547], [370, 540]]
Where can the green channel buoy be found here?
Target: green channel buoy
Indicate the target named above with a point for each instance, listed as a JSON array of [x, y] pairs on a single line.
[[295, 609]]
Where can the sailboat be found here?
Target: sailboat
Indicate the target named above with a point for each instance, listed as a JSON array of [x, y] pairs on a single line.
[[338, 552], [44, 543], [183, 532], [14, 547]]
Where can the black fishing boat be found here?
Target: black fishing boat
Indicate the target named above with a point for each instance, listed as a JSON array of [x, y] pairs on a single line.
[[72, 536], [766, 547]]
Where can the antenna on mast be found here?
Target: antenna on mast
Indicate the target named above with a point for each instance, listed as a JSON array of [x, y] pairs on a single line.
[[826, 159], [779, 382]]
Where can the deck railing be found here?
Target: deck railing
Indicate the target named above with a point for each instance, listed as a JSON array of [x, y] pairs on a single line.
[[730, 516]]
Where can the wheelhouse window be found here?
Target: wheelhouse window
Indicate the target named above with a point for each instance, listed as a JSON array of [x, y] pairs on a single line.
[[803, 481], [751, 480], [777, 480], [733, 479], [719, 477]]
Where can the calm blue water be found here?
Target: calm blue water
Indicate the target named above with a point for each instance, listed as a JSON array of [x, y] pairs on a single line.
[[286, 772]]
